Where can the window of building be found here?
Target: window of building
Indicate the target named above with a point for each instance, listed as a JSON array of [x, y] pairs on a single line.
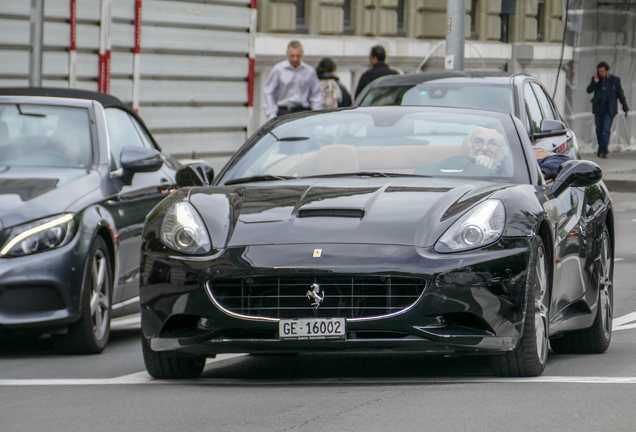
[[301, 16], [401, 29], [347, 28], [508, 7], [473, 20], [540, 20]]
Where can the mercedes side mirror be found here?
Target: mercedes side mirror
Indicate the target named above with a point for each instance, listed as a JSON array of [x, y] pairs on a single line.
[[195, 174], [576, 173], [551, 128], [138, 159]]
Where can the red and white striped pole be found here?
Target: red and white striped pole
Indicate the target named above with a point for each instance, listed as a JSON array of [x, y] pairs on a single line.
[[251, 68], [103, 80], [136, 56], [72, 57]]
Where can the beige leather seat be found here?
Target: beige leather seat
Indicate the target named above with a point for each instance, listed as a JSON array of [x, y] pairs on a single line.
[[336, 159]]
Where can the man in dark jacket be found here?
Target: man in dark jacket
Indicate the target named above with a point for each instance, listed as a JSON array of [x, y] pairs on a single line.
[[607, 89], [378, 68]]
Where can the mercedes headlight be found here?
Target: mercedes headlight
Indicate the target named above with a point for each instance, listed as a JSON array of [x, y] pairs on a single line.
[[183, 230], [40, 236], [482, 225]]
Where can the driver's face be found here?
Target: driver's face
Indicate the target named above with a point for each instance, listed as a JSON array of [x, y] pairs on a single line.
[[487, 142]]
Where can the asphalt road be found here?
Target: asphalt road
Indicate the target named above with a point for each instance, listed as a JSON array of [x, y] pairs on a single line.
[[43, 391]]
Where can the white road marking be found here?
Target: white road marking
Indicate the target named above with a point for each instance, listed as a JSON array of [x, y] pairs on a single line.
[[134, 378], [125, 303], [143, 378], [619, 259], [624, 327], [624, 319], [129, 322]]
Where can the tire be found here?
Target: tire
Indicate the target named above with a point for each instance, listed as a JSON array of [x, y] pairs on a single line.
[[531, 354], [90, 334], [165, 366], [596, 339]]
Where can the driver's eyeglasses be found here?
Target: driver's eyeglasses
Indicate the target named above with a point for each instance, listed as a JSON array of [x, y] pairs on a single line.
[[493, 144]]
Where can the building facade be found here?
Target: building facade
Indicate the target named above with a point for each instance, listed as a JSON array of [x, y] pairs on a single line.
[[517, 36], [195, 69]]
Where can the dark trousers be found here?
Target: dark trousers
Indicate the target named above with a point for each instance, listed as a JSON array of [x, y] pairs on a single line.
[[603, 127], [289, 110]]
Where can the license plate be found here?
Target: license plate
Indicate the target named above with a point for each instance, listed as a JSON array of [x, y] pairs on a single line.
[[312, 328]]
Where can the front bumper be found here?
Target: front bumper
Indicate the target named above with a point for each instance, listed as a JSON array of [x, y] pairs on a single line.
[[473, 301], [41, 292]]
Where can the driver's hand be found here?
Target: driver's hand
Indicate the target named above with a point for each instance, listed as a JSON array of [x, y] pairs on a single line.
[[487, 162]]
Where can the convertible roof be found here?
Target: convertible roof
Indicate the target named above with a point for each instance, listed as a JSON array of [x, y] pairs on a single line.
[[106, 100]]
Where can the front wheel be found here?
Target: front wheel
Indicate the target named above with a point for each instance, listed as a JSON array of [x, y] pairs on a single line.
[[531, 354], [90, 334], [166, 366], [596, 339]]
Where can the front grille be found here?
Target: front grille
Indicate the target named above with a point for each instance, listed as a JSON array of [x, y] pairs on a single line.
[[31, 299], [348, 296]]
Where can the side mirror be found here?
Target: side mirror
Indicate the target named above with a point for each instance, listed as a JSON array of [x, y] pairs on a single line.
[[551, 128], [196, 174], [576, 173], [139, 159]]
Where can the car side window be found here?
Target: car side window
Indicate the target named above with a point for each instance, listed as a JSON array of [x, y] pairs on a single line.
[[121, 133], [144, 135], [533, 107], [546, 106]]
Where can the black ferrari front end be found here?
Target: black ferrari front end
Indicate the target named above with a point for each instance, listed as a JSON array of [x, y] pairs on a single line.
[[290, 298]]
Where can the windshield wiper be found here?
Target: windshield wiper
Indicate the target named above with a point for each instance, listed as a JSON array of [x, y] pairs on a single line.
[[366, 174], [298, 138], [28, 114], [258, 178]]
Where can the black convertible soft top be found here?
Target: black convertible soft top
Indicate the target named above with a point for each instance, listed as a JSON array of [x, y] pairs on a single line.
[[105, 99]]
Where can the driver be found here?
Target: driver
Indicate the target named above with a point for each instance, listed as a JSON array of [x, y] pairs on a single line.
[[489, 149]]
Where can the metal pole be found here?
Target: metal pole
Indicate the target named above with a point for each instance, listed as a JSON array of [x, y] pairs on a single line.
[[455, 19], [35, 60]]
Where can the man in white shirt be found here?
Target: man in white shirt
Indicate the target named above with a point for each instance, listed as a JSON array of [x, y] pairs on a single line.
[[293, 86]]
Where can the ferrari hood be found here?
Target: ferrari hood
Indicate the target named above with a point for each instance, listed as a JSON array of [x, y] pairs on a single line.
[[396, 211], [28, 194]]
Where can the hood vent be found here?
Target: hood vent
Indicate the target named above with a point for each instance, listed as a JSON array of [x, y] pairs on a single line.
[[339, 213]]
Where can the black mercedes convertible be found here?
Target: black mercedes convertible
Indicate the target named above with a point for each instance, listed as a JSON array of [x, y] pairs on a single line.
[[403, 228]]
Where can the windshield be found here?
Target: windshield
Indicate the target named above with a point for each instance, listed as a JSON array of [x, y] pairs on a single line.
[[489, 97], [42, 135], [401, 141]]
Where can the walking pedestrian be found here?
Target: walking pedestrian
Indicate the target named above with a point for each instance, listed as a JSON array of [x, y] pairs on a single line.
[[607, 89], [334, 93], [293, 85], [379, 68]]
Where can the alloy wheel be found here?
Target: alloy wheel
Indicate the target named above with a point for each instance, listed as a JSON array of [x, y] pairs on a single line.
[[605, 285], [100, 295], [541, 306]]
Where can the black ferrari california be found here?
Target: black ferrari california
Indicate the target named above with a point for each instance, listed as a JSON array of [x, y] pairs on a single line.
[[79, 171], [404, 228]]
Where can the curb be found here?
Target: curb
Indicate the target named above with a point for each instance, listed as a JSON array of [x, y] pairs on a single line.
[[620, 185]]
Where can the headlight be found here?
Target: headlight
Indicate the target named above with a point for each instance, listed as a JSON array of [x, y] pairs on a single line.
[[183, 230], [40, 236], [481, 226]]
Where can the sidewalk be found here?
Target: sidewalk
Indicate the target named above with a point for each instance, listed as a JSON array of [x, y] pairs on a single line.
[[619, 170]]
